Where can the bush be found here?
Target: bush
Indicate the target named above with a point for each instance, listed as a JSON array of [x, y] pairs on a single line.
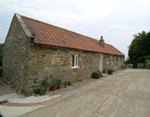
[[96, 74], [59, 82], [69, 83], [1, 54], [1, 72], [36, 91], [54, 83], [45, 82], [105, 71], [110, 71], [147, 66], [42, 93]]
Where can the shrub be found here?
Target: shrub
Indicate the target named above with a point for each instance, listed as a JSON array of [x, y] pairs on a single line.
[[147, 66], [105, 71], [110, 71], [59, 82], [54, 83], [36, 91], [96, 74], [42, 93], [45, 82], [69, 83]]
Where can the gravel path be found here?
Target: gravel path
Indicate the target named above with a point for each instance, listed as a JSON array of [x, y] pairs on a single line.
[[124, 94]]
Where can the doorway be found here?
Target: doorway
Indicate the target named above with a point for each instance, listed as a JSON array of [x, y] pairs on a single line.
[[101, 62]]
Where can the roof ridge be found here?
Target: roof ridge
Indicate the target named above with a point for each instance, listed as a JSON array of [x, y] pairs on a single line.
[[58, 27]]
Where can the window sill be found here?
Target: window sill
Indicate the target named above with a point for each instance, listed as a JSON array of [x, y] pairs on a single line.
[[75, 67]]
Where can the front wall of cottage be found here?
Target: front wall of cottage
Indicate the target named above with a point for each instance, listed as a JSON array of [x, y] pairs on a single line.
[[112, 61], [55, 62], [15, 58]]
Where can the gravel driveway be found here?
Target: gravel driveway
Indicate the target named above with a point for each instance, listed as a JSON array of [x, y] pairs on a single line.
[[124, 94]]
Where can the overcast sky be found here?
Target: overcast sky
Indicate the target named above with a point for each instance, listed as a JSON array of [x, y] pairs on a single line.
[[115, 20]]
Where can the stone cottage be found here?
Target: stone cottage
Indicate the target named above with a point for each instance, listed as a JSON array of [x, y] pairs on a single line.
[[35, 50]]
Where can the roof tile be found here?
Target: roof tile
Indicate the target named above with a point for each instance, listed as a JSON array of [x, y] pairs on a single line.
[[55, 36]]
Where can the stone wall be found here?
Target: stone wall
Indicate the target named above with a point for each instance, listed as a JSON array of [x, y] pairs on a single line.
[[26, 65], [55, 62], [15, 61], [112, 61], [140, 65]]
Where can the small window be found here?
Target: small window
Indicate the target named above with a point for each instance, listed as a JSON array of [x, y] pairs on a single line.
[[75, 60]]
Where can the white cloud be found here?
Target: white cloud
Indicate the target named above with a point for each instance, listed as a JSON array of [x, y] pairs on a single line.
[[116, 20]]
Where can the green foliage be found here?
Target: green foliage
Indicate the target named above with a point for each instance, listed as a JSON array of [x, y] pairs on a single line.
[[147, 58], [45, 82], [54, 83], [96, 75], [69, 83], [1, 53], [59, 82], [110, 71], [36, 91], [139, 48], [42, 93]]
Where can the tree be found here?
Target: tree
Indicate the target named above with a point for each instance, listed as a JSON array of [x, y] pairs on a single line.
[[1, 54], [139, 48]]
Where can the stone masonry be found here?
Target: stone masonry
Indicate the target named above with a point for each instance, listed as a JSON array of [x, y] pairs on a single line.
[[15, 61], [56, 62], [112, 61], [25, 65]]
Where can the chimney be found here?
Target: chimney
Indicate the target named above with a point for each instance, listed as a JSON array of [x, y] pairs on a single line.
[[101, 42], [32, 39]]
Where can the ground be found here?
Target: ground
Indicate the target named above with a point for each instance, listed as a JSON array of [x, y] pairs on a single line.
[[123, 94], [5, 89]]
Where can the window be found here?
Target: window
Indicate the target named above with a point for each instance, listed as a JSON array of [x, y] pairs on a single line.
[[75, 60]]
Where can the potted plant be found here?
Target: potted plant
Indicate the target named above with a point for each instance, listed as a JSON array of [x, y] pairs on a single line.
[[110, 71], [59, 82], [66, 84], [42, 93], [36, 92], [69, 83], [42, 88], [105, 71], [54, 86], [96, 75], [45, 83]]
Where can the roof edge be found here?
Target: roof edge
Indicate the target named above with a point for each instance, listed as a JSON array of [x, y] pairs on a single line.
[[58, 27], [118, 50], [76, 49], [23, 25]]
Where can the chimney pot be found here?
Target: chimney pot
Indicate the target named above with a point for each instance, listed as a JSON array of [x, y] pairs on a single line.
[[101, 42]]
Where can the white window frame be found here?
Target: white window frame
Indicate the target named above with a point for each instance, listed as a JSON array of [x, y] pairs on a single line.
[[75, 61]]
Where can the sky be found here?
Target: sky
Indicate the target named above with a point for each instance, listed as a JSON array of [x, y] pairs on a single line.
[[115, 20]]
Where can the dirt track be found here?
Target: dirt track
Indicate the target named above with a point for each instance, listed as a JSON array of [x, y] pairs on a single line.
[[124, 94]]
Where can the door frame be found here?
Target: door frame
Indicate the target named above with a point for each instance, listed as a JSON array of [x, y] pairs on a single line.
[[101, 62]]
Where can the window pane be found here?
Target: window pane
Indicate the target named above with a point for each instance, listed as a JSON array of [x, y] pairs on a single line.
[[73, 60], [76, 60]]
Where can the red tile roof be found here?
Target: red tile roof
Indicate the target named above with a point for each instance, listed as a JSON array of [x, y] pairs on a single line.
[[47, 34]]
